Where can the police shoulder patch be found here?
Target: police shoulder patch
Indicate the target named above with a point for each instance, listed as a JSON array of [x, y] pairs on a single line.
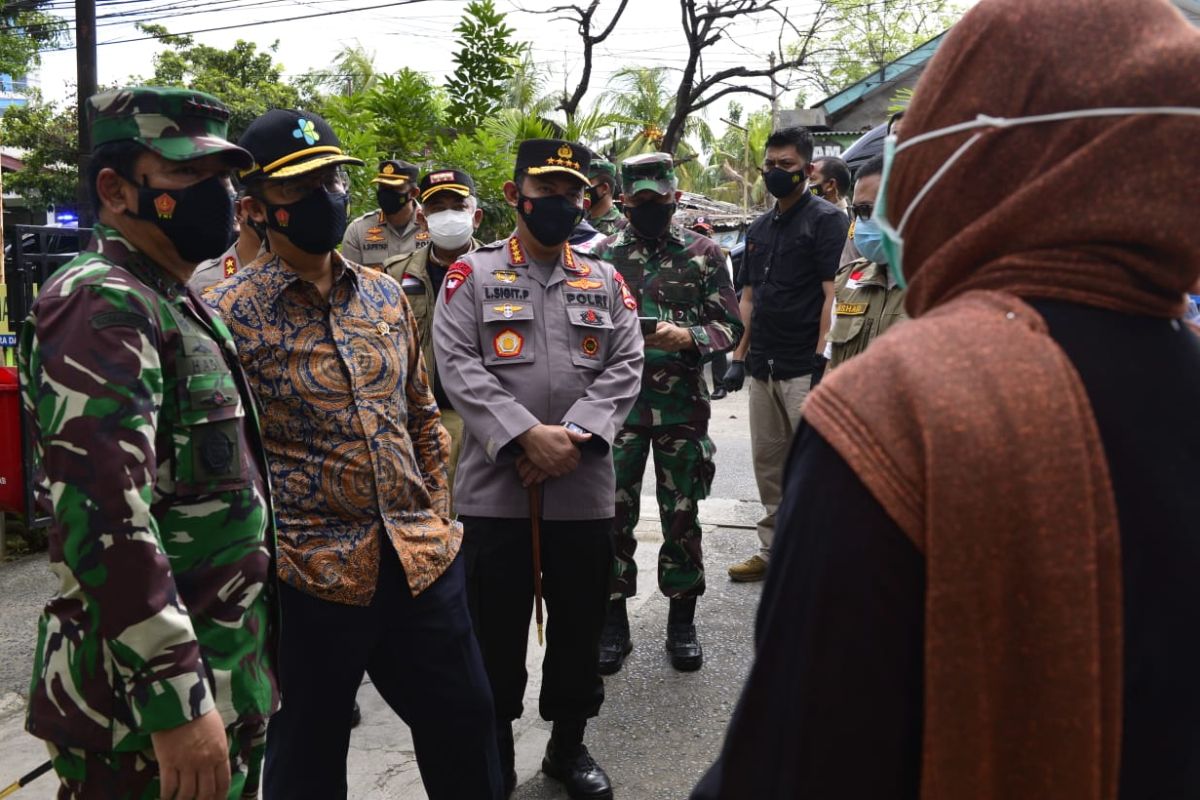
[[455, 277]]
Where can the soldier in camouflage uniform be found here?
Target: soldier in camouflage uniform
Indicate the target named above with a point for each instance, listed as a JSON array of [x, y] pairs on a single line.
[[602, 213], [680, 280], [152, 673]]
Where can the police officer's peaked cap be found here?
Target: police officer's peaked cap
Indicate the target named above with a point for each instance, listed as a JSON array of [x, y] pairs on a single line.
[[653, 171], [396, 174], [446, 180], [178, 124], [546, 156], [286, 143]]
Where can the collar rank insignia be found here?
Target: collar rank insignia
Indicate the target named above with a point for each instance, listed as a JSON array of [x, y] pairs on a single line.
[[508, 343], [229, 266], [505, 275], [573, 266], [516, 255], [585, 283], [507, 310], [458, 273]]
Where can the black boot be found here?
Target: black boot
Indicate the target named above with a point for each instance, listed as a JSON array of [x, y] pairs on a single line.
[[569, 762], [508, 758], [685, 650], [614, 639]]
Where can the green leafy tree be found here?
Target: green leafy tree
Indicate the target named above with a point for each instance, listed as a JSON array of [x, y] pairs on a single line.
[[400, 116], [731, 168], [644, 104], [49, 136], [485, 64], [866, 35], [26, 29], [246, 79]]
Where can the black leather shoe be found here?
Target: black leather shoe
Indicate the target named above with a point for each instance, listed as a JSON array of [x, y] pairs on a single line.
[[615, 643], [355, 716], [686, 653], [719, 393], [574, 767]]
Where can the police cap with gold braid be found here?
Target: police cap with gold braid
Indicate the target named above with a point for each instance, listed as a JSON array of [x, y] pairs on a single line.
[[396, 174], [546, 156], [286, 143]]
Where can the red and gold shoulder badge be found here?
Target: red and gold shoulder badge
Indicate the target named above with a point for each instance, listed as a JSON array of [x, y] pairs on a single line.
[[627, 298], [230, 266], [508, 343], [455, 277], [516, 255]]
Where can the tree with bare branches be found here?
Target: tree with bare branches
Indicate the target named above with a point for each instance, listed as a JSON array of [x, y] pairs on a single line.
[[705, 24], [584, 17]]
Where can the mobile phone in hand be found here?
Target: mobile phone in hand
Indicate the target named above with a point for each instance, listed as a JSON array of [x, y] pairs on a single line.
[[649, 325]]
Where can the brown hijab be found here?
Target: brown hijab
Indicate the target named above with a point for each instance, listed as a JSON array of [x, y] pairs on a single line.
[[970, 425]]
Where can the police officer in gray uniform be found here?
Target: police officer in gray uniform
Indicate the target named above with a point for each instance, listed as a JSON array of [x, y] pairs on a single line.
[[539, 350], [392, 229]]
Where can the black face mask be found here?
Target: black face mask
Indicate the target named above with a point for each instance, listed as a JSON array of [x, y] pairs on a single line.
[[782, 183], [391, 201], [198, 220], [652, 220], [550, 219], [315, 224], [593, 195]]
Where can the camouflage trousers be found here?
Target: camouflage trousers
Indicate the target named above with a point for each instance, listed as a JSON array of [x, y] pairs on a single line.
[[683, 472], [88, 775]]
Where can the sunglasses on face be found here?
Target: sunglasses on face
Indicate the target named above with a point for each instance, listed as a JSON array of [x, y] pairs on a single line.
[[862, 210]]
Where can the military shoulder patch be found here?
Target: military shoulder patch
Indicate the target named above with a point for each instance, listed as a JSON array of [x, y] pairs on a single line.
[[455, 277], [627, 297]]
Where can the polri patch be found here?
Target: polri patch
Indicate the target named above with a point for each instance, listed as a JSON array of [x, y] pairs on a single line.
[[590, 317], [459, 271], [508, 343]]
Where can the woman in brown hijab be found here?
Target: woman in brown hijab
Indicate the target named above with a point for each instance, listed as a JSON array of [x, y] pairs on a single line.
[[986, 585]]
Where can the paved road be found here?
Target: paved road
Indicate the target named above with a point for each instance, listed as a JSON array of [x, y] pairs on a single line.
[[658, 730]]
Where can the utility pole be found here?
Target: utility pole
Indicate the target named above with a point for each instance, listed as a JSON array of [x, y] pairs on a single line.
[[774, 95], [85, 68]]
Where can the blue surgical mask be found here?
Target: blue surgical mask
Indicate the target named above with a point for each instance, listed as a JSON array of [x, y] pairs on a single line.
[[893, 239], [869, 240]]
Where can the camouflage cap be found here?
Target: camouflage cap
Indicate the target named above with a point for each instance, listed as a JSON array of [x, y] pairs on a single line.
[[653, 171], [178, 124], [602, 166]]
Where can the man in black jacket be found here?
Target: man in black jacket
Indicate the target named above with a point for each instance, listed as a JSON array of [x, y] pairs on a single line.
[[791, 257]]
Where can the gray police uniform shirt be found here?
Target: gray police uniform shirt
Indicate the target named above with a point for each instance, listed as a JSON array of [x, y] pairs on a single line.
[[371, 240], [520, 343]]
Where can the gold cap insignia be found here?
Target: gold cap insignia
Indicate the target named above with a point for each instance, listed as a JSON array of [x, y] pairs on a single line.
[[565, 152], [388, 169]]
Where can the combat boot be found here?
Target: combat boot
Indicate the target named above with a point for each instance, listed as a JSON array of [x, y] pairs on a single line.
[[508, 758], [685, 650], [569, 762], [615, 643]]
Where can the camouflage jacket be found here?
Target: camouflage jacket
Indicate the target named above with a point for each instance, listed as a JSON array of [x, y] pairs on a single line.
[[149, 461], [612, 222], [681, 279]]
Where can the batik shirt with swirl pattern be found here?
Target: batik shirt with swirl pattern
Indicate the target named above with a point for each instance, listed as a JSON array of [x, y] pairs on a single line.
[[353, 434]]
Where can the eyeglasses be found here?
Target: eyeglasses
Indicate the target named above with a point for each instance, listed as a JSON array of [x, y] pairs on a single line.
[[863, 210]]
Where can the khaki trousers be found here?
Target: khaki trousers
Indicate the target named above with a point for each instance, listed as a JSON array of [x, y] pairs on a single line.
[[453, 423], [775, 407]]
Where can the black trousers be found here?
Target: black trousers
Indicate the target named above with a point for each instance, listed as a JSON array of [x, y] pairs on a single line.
[[577, 558], [421, 656], [720, 363]]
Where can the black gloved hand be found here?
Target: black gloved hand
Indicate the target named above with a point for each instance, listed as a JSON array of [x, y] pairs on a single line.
[[735, 376]]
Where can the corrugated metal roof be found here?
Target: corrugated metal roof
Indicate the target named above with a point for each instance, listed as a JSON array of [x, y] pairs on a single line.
[[881, 77]]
